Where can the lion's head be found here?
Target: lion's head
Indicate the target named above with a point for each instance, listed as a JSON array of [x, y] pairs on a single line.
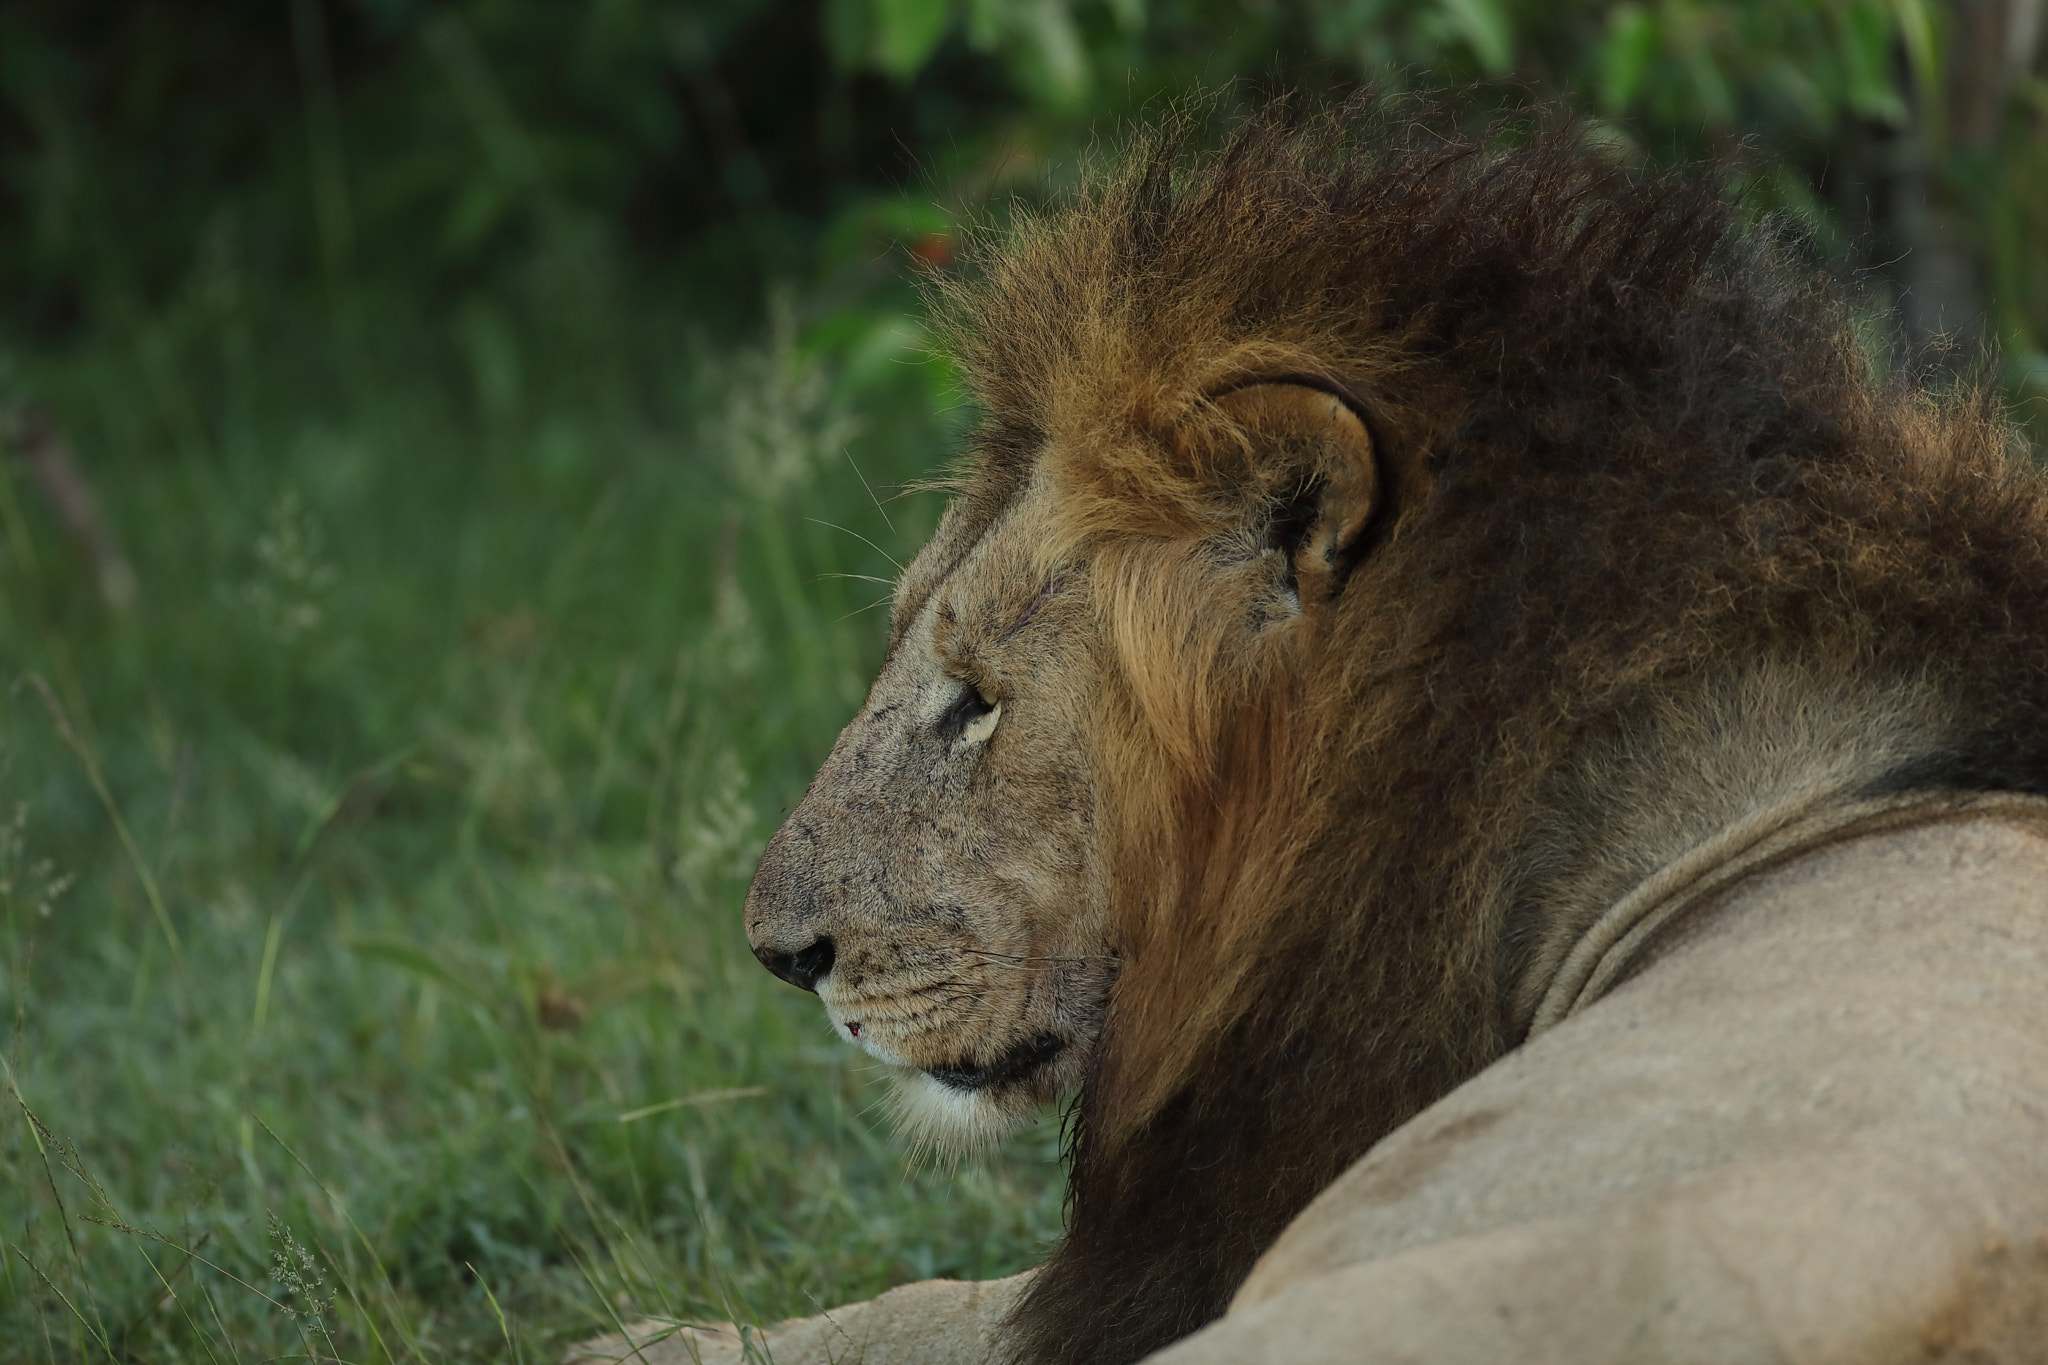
[[945, 886], [941, 886], [1379, 551]]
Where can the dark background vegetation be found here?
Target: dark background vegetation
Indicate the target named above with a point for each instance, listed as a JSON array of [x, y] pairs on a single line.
[[451, 456]]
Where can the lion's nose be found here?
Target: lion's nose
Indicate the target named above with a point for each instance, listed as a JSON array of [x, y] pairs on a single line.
[[806, 968]]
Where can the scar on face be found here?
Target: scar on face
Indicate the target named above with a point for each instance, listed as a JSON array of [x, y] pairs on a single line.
[[1045, 593]]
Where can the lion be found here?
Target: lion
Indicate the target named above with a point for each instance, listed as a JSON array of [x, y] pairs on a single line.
[[1494, 759]]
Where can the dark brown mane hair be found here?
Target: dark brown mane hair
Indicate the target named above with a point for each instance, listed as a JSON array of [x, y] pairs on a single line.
[[1650, 445]]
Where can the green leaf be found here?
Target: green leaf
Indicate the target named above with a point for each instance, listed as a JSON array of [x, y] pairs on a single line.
[[1923, 50], [1128, 14], [1625, 56], [906, 32], [1484, 25], [1051, 60], [1867, 34]]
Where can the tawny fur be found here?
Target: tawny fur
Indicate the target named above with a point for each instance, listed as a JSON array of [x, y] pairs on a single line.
[[1657, 549]]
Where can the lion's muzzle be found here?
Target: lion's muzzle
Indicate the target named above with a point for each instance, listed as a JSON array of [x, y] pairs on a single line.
[[785, 913]]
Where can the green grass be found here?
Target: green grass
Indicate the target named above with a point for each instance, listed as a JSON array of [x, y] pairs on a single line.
[[473, 659]]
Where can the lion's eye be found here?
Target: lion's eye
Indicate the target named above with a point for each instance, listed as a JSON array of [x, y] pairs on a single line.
[[976, 716]]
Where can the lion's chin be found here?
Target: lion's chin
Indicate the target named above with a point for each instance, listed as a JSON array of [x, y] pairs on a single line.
[[970, 1106], [933, 1112]]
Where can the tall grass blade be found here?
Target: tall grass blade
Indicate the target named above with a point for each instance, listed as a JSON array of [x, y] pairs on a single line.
[[62, 720]]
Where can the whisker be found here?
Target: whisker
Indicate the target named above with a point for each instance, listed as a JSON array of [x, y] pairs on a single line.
[[859, 537], [878, 602], [871, 491], [992, 959]]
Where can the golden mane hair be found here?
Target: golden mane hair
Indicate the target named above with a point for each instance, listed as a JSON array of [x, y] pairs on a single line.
[[1633, 444]]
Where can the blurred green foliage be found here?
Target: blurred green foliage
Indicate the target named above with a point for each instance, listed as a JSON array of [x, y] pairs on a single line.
[[718, 144], [453, 452]]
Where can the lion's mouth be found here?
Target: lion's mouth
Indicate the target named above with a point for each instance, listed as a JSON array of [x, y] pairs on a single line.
[[1019, 1062]]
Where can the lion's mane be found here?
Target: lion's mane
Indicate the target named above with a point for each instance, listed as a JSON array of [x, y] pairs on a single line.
[[1647, 444]]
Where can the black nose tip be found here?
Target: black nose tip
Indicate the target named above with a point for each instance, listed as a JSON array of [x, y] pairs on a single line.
[[805, 969]]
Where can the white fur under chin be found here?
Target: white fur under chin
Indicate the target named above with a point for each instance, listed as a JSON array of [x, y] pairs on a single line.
[[933, 1114]]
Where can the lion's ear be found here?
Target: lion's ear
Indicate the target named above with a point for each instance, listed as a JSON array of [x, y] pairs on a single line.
[[1318, 444]]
